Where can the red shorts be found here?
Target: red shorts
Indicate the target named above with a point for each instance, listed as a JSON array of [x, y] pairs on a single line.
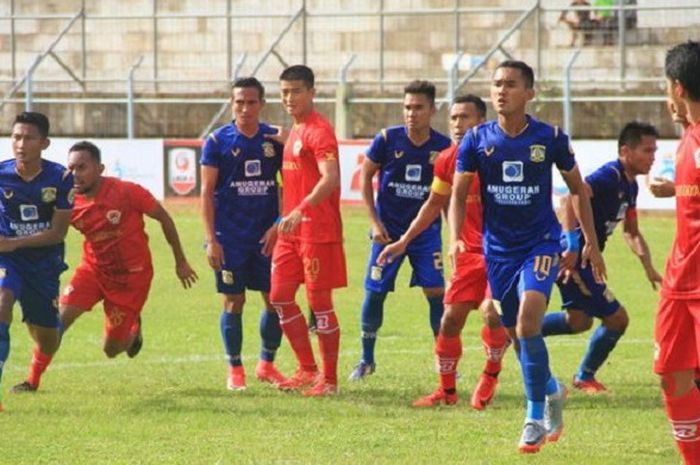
[[318, 266], [124, 296], [677, 335], [468, 284]]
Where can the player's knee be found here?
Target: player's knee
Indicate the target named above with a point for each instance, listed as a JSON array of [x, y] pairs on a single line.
[[283, 294], [7, 301], [113, 348], [320, 300], [233, 303], [431, 292], [618, 321], [578, 321], [677, 384]]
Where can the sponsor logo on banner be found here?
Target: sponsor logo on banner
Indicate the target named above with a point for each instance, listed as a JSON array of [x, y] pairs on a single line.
[[182, 176]]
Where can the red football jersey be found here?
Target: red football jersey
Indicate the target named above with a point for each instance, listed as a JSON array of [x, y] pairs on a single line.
[[682, 276], [308, 143], [443, 173], [112, 223]]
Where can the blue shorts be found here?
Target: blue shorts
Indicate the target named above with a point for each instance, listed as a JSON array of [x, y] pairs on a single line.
[[425, 256], [35, 285], [582, 292], [536, 271], [244, 268]]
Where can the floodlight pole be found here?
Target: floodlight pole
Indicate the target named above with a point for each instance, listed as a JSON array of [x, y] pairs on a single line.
[[567, 92]]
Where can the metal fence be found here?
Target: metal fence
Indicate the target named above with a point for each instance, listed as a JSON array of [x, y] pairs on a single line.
[[144, 93]]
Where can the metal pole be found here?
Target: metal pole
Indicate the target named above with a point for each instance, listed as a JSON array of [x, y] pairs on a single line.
[[83, 40], [29, 95], [457, 35], [130, 98], [303, 32], [155, 43], [453, 77], [622, 42], [342, 106], [239, 65], [229, 39], [538, 48], [381, 45], [13, 39], [568, 124]]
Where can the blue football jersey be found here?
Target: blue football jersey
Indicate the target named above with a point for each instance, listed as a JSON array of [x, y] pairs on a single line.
[[613, 195], [516, 183], [27, 207], [246, 200], [405, 175]]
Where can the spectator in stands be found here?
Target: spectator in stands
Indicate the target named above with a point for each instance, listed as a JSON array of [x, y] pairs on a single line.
[[579, 20], [606, 19]]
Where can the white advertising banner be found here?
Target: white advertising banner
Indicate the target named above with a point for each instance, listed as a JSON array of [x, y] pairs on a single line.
[[590, 154], [136, 160]]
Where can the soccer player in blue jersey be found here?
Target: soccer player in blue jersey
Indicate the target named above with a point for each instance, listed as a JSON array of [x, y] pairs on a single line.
[[35, 208], [240, 208], [613, 190], [513, 157], [404, 157]]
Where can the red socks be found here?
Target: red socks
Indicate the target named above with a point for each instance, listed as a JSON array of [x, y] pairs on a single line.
[[328, 333], [448, 351], [294, 326], [495, 342], [38, 366], [684, 414]]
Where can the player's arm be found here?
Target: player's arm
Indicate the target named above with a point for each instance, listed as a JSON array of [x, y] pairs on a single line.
[[330, 180], [183, 269], [456, 213], [569, 224], [215, 253], [662, 187], [55, 234], [270, 237], [635, 240], [581, 204], [428, 213], [369, 169]]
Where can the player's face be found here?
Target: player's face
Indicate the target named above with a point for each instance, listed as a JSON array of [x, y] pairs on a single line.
[[679, 113], [463, 116], [641, 157], [297, 99], [86, 171], [246, 105], [417, 111], [27, 143], [509, 94]]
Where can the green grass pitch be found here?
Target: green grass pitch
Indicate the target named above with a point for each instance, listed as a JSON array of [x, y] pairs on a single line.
[[170, 405]]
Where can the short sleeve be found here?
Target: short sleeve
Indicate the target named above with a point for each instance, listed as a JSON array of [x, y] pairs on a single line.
[[65, 193], [211, 153], [467, 154], [323, 143], [563, 151], [377, 149], [140, 198]]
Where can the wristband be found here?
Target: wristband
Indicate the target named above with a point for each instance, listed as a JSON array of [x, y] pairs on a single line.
[[572, 242]]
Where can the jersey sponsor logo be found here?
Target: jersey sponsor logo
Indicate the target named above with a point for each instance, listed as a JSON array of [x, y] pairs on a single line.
[[114, 216], [252, 168], [375, 273], [537, 153], [227, 277], [433, 156], [28, 212], [413, 173], [48, 194], [235, 152], [489, 150], [398, 154], [513, 171], [3, 272], [290, 165], [8, 194], [268, 149], [296, 148], [687, 190], [182, 175], [329, 156]]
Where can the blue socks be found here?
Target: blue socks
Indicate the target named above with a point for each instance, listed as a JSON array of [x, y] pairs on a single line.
[[602, 342], [371, 320], [4, 345], [271, 335], [232, 335], [534, 363], [555, 323], [437, 308]]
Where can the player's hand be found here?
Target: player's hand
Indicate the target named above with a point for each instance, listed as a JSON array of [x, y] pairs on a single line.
[[455, 249], [7, 244], [215, 255], [592, 256], [391, 252], [289, 223], [662, 187], [567, 265], [654, 277], [268, 240], [280, 137], [186, 274], [379, 233]]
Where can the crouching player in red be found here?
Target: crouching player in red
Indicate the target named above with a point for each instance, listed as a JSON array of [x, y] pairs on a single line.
[[677, 331], [116, 263], [309, 248], [467, 288]]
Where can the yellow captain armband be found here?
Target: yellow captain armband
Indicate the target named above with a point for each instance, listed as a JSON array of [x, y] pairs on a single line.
[[441, 187]]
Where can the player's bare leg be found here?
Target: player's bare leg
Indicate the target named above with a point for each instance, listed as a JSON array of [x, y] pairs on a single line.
[[7, 301]]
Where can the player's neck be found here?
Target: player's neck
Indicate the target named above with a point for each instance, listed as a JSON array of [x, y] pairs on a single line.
[[303, 116], [627, 169], [418, 137], [513, 125], [92, 192], [249, 130], [28, 171], [693, 115]]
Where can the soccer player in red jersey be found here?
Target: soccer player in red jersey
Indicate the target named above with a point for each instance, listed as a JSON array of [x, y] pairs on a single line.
[[116, 263], [467, 288], [677, 331], [309, 248]]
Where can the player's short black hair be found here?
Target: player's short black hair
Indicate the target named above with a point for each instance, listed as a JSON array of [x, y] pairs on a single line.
[[250, 82], [38, 120], [683, 65], [471, 98], [631, 135], [525, 70], [89, 147], [426, 88], [299, 73]]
